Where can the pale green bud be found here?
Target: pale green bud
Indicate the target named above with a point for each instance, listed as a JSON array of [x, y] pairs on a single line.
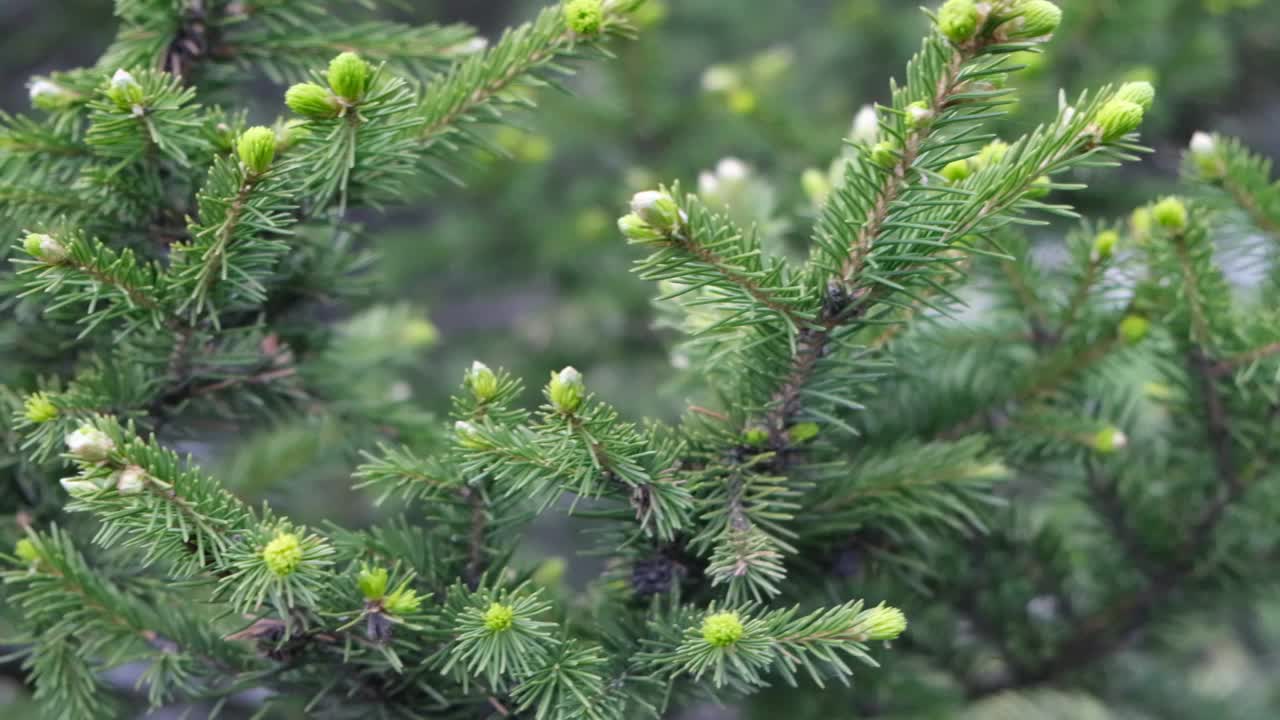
[[816, 185], [884, 154], [348, 76], [39, 409], [584, 17], [90, 444], [866, 126], [1104, 245], [958, 20], [1040, 188], [402, 601], [1134, 328], [991, 154], [1204, 150], [283, 555], [1119, 118], [257, 148], [26, 551], [885, 623], [956, 171], [1036, 18], [1171, 214], [79, 486], [657, 208], [45, 247], [372, 582], [1140, 93], [1109, 440], [566, 390], [499, 618], [482, 381], [803, 432], [124, 90], [469, 436], [722, 629], [919, 115], [311, 100], [635, 229], [756, 437], [48, 95]]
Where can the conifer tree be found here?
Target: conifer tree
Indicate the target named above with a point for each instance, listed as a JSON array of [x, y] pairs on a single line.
[[1036, 485]]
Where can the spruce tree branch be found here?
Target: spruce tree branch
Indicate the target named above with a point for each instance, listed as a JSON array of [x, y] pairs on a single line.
[[897, 175], [1105, 498], [1227, 365], [1252, 207], [684, 239]]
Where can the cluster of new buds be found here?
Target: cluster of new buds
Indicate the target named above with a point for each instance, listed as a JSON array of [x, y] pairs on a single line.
[[962, 21], [283, 554], [654, 215], [373, 584], [348, 77], [566, 390]]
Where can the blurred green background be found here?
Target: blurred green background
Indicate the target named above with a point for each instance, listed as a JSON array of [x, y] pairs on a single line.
[[522, 267]]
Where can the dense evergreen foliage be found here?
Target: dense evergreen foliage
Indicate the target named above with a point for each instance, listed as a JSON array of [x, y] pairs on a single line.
[[1050, 462]]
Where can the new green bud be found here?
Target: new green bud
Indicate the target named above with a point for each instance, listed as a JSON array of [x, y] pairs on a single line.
[[1171, 214], [722, 629], [816, 185], [1204, 151], [802, 432], [756, 437], [1119, 118], [48, 95], [958, 20], [469, 436], [372, 582], [402, 601], [884, 154], [311, 100], [566, 390], [657, 208], [584, 17], [348, 76], [956, 171], [124, 90], [482, 381], [991, 154], [76, 486], [635, 229], [39, 409], [1140, 93], [1036, 18], [1040, 188], [919, 115], [1140, 223], [499, 618], [90, 444], [45, 247], [1104, 245], [257, 148], [283, 555], [1109, 440], [885, 623], [26, 551], [1134, 328]]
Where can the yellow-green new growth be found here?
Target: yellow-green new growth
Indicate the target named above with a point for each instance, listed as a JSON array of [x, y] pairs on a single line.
[[349, 76], [956, 171], [1036, 18], [283, 555], [311, 100], [1171, 214], [1140, 93], [584, 17], [566, 390], [1134, 328], [885, 623], [1109, 440], [958, 20], [482, 381], [26, 551], [1118, 118], [257, 149], [1104, 245], [39, 409], [722, 629], [402, 601], [372, 582], [499, 618]]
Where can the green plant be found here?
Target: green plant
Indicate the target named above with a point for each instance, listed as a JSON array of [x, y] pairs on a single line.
[[843, 423]]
